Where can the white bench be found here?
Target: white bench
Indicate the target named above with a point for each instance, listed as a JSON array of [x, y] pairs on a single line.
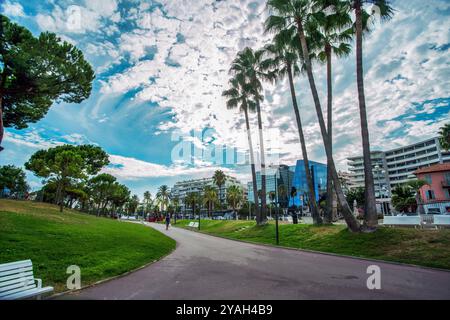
[[441, 220], [18, 282], [193, 224], [402, 221]]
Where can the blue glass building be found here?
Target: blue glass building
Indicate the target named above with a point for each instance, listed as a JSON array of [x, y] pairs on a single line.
[[275, 177], [319, 175]]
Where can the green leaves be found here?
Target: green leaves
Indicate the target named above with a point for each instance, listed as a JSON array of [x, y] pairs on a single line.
[[37, 72], [13, 178]]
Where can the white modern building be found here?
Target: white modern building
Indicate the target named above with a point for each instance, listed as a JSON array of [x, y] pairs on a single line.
[[397, 166], [182, 188]]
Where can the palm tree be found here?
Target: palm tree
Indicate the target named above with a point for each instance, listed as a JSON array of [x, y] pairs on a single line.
[[406, 197], [295, 13], [234, 197], [385, 11], [219, 179], [176, 204], [282, 60], [147, 202], [238, 96], [331, 36], [248, 64], [272, 197], [282, 194], [209, 198], [163, 196], [193, 199], [444, 137]]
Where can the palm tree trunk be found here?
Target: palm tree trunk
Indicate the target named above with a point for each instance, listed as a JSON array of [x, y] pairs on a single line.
[[2, 129], [370, 217], [312, 194], [252, 165], [263, 215], [2, 84], [330, 191], [351, 221]]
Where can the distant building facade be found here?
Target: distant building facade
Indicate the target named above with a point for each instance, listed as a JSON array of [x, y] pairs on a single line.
[[397, 166], [319, 176], [182, 188], [277, 177], [289, 177]]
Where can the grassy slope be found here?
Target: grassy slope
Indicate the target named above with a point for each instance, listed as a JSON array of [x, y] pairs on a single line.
[[422, 247], [53, 241]]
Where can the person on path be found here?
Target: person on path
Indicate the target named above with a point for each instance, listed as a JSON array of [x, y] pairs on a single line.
[[167, 221]]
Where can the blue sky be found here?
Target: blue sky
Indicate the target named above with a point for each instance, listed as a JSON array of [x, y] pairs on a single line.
[[161, 67]]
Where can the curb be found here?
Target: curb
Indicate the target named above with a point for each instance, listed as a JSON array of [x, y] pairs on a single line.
[[68, 292], [323, 253]]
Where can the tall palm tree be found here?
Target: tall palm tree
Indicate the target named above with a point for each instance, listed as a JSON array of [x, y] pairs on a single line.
[[331, 36], [209, 198], [147, 202], [163, 196], [282, 59], [296, 13], [238, 96], [248, 64], [385, 11], [282, 194], [235, 196], [193, 199], [219, 179], [272, 197], [444, 137]]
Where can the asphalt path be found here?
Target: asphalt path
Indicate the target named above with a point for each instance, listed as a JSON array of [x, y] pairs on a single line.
[[206, 267]]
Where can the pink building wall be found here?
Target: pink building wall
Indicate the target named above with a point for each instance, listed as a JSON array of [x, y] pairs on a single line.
[[439, 185]]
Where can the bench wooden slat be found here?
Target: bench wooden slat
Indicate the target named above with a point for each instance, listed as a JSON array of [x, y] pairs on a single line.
[[17, 289], [28, 293], [15, 275], [11, 272], [16, 280], [15, 265], [21, 284]]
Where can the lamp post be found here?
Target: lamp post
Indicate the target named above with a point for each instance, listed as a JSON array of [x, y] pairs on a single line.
[[277, 235]]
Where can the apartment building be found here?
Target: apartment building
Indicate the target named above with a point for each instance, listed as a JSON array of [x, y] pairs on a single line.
[[397, 166], [182, 188]]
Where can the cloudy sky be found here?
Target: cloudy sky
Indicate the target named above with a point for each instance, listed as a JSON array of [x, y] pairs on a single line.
[[161, 67]]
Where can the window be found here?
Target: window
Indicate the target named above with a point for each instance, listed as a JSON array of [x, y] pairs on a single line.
[[447, 178], [430, 195], [428, 179]]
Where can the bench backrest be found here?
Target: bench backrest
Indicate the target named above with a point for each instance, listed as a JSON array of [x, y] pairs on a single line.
[[402, 220], [441, 220], [191, 224], [195, 225], [16, 277]]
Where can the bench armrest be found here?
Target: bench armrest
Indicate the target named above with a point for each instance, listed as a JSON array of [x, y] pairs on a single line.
[[38, 282]]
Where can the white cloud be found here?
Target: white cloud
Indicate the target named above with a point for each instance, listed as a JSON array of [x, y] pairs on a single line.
[[79, 19], [13, 9], [130, 169]]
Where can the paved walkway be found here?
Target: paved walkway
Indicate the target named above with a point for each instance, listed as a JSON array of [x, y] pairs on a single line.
[[206, 267]]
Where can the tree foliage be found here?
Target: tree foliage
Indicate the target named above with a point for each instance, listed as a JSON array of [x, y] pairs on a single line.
[[66, 165], [13, 179], [36, 72]]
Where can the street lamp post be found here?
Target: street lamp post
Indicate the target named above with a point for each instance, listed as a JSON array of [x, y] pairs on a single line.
[[277, 235]]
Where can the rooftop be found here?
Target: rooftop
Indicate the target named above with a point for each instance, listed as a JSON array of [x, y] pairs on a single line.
[[434, 168]]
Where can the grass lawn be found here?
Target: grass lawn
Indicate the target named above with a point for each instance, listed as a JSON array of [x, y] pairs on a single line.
[[421, 247], [101, 247]]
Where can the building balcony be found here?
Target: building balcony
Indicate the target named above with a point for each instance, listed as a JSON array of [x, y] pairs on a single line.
[[445, 183]]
